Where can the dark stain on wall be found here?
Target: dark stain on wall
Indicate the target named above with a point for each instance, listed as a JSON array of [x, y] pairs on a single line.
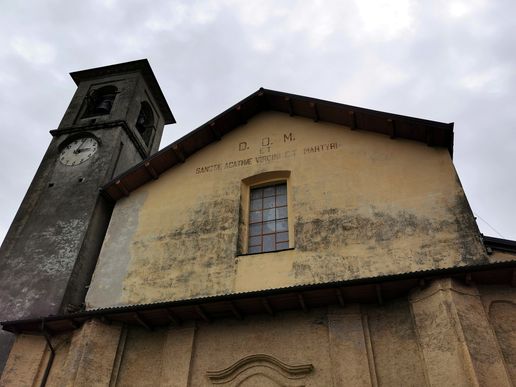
[[200, 253], [241, 227], [303, 270], [341, 227], [470, 238], [333, 228]]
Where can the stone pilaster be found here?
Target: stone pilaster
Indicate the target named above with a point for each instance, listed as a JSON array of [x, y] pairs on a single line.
[[348, 342], [91, 355], [455, 337], [177, 357], [26, 362]]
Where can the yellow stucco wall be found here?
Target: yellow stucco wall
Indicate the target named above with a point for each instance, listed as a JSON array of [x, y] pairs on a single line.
[[361, 205]]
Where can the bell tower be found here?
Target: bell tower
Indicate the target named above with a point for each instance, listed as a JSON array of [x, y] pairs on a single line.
[[115, 120]]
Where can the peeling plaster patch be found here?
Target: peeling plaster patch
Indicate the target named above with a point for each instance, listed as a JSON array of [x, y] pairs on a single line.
[[22, 304], [64, 236], [48, 271], [115, 257]]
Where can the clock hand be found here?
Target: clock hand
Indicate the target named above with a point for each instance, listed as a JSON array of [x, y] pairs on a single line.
[[77, 150], [82, 150]]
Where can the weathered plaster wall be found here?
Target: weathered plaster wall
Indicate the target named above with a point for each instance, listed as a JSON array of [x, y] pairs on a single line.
[[394, 341], [456, 336], [446, 333], [500, 305], [362, 205], [293, 338], [26, 362]]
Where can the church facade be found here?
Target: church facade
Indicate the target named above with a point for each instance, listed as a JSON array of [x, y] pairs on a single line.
[[289, 241]]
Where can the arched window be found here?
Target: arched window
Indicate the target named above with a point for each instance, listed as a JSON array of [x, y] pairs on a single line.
[[100, 101], [145, 122]]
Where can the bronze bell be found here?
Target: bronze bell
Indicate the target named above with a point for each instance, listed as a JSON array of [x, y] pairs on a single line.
[[141, 120], [104, 106]]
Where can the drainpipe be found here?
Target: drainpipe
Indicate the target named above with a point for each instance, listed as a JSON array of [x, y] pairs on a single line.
[[52, 355]]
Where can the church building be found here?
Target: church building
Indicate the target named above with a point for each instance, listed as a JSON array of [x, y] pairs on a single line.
[[288, 241]]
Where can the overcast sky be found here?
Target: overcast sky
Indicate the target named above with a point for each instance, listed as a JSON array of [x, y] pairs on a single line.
[[449, 61]]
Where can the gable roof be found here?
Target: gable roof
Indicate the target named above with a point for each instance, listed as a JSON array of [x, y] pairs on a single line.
[[430, 132]]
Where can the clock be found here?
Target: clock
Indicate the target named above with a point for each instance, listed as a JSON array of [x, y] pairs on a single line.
[[78, 151]]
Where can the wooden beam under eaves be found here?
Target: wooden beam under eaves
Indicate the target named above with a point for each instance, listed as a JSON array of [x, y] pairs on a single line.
[[267, 306], [315, 111], [202, 314], [151, 171], [290, 108], [241, 118], [106, 320], [122, 188], [215, 131], [142, 322], [429, 137], [172, 317], [338, 292], [235, 311], [379, 296], [178, 152], [302, 302], [353, 117], [392, 128]]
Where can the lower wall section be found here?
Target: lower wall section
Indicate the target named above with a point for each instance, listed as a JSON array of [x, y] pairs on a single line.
[[444, 334], [396, 351]]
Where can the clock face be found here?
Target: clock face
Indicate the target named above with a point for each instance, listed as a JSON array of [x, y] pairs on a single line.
[[78, 151]]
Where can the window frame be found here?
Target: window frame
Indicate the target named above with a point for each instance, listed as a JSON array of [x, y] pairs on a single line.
[[259, 181]]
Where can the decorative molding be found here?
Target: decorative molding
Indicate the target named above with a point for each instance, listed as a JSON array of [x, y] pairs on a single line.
[[442, 285], [259, 364]]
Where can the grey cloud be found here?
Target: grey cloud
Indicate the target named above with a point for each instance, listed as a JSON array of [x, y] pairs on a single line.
[[207, 55]]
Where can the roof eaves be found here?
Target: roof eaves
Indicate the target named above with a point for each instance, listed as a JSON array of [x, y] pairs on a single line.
[[500, 244], [36, 324], [431, 132]]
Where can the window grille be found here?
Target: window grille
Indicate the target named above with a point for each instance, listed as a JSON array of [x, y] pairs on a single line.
[[268, 219]]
